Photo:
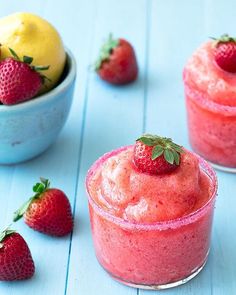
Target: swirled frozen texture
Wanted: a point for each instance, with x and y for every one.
(119, 188)
(203, 75)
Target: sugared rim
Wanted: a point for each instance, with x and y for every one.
(48, 96)
(160, 225)
(207, 104)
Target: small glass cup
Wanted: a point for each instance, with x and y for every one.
(155, 256)
(212, 130)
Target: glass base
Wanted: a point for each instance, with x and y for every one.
(163, 286)
(223, 168)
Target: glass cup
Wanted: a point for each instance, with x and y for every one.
(212, 130)
(152, 256)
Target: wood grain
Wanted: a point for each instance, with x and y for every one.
(164, 34)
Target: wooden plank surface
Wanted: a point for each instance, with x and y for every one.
(113, 117)
(164, 34)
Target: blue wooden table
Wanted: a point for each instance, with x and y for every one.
(164, 34)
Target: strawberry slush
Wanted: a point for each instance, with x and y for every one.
(211, 106)
(151, 231)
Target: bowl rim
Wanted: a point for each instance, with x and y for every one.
(158, 225)
(50, 95)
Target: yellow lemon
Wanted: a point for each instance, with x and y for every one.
(30, 35)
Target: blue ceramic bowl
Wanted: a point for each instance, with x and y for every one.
(29, 128)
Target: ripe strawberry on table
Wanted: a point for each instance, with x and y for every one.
(117, 62)
(48, 211)
(19, 80)
(16, 262)
(156, 155)
(225, 53)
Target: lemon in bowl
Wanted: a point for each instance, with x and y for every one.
(30, 35)
(30, 127)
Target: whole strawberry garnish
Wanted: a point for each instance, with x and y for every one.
(225, 53)
(19, 81)
(16, 262)
(156, 155)
(117, 62)
(48, 211)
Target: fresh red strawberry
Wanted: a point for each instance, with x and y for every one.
(19, 81)
(16, 262)
(156, 155)
(225, 53)
(48, 211)
(117, 62)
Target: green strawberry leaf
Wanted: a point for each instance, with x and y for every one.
(157, 152)
(176, 157)
(106, 51)
(147, 141)
(162, 145)
(40, 68)
(13, 53)
(177, 148)
(4, 234)
(223, 39)
(169, 157)
(27, 59)
(21, 211)
(38, 189)
(46, 182)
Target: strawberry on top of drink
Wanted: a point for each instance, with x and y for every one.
(210, 90)
(153, 180)
(156, 155)
(225, 53)
(151, 206)
(211, 71)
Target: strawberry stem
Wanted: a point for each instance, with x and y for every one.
(40, 68)
(21, 211)
(7, 232)
(38, 189)
(223, 39)
(13, 53)
(106, 51)
(28, 60)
